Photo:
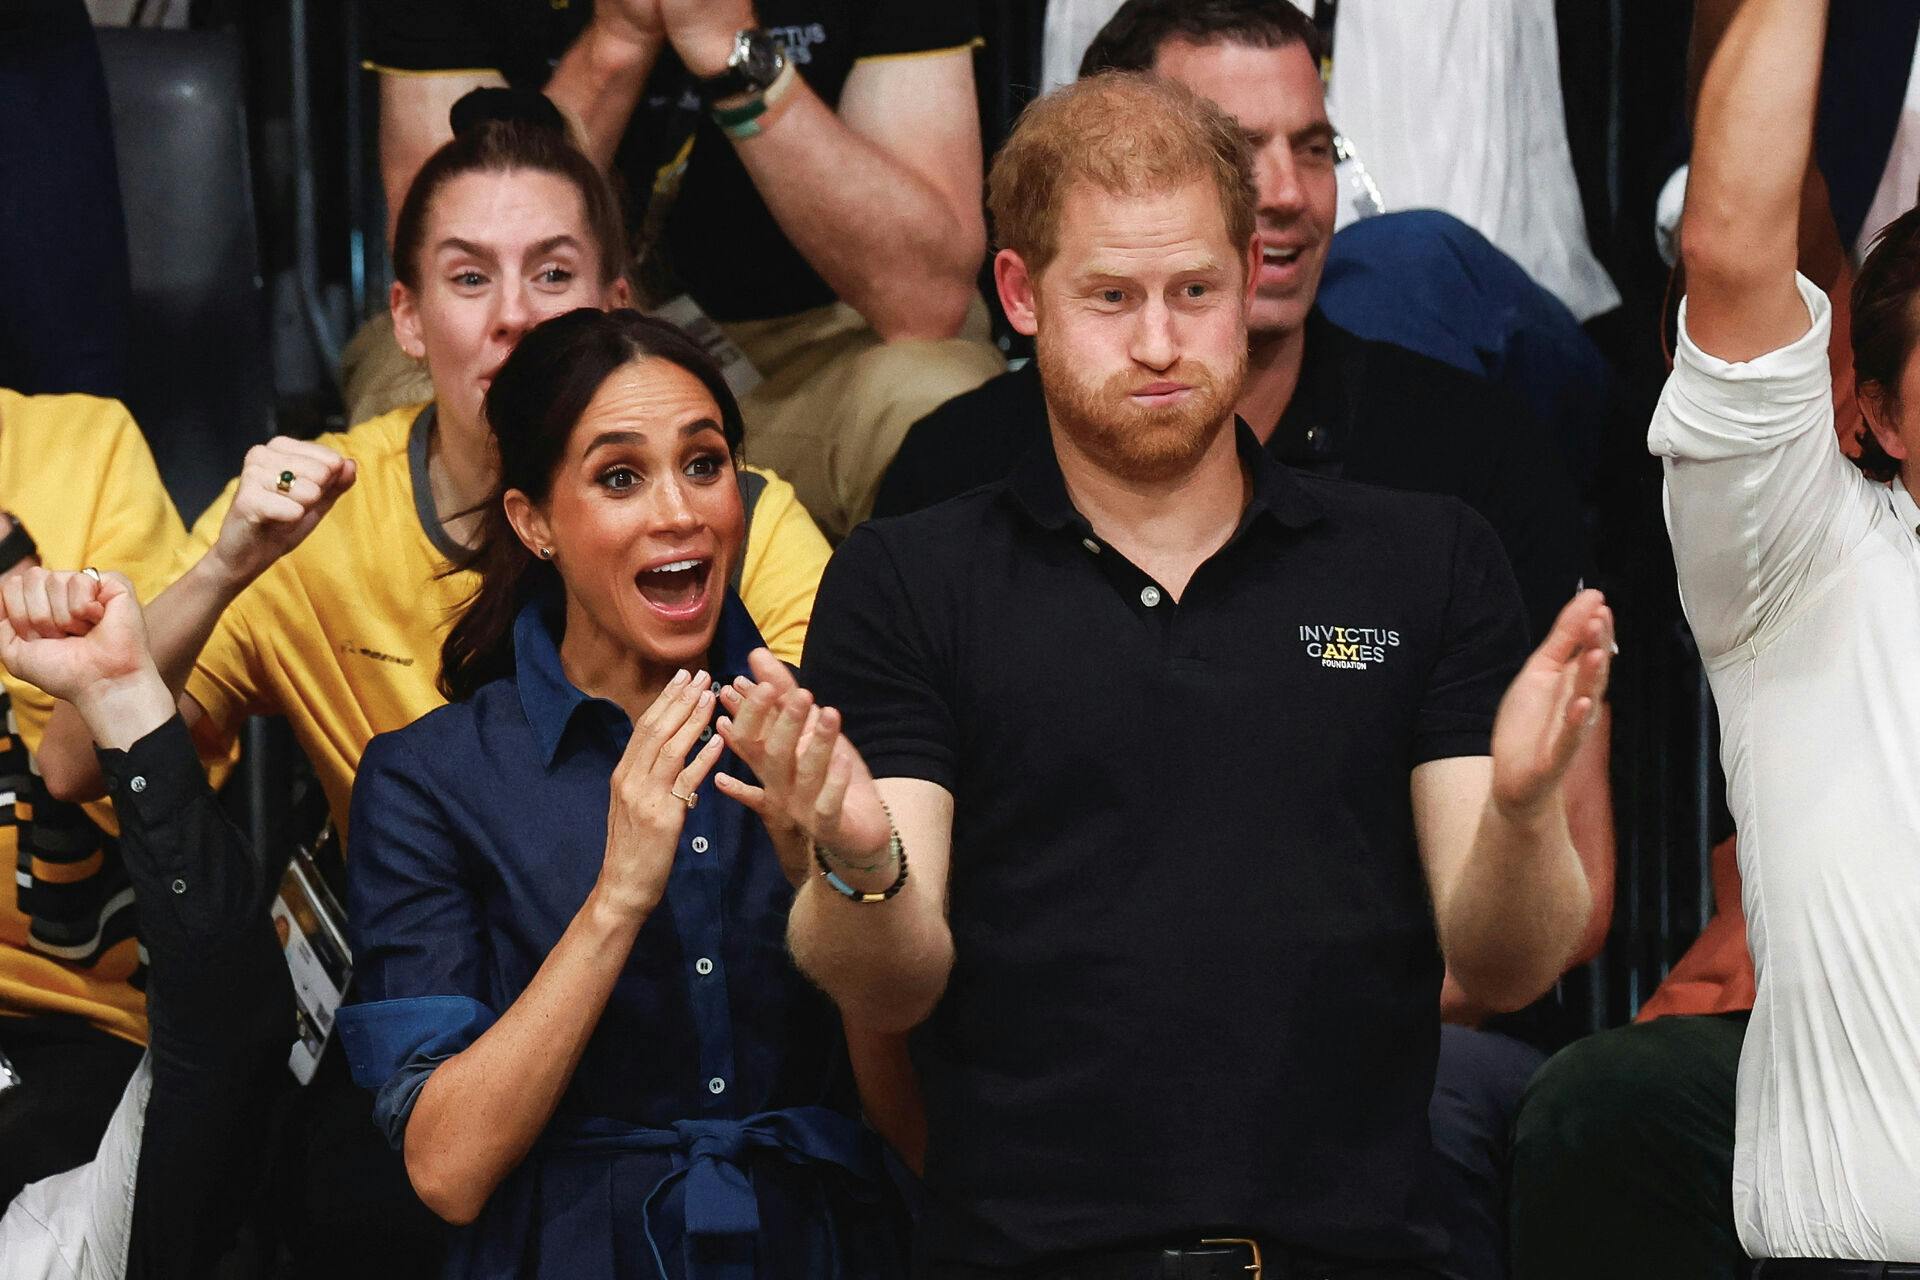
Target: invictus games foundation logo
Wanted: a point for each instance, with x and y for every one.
(1349, 648)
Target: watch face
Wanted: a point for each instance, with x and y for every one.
(760, 60)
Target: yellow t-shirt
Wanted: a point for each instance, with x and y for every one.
(342, 635)
(78, 473)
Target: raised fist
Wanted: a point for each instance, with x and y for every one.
(71, 634)
(284, 490)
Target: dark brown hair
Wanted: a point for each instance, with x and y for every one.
(535, 402)
(1885, 328)
(1126, 132)
(1132, 38)
(495, 145)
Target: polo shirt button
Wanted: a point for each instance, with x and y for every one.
(1090, 545)
(716, 1085)
(699, 844)
(137, 784)
(703, 966)
(179, 886)
(1149, 596)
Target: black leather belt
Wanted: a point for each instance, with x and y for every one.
(1211, 1260)
(1832, 1269)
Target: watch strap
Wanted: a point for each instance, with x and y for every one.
(753, 116)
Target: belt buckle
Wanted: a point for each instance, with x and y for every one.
(1257, 1267)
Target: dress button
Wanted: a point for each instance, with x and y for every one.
(137, 784)
(179, 886)
(716, 1085)
(703, 966)
(699, 844)
(1149, 596)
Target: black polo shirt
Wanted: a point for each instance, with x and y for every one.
(1196, 986)
(1363, 410)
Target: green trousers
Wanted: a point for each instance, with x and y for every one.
(1623, 1156)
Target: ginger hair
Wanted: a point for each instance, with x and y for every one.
(1128, 133)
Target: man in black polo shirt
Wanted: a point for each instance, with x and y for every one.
(1328, 402)
(805, 174)
(1195, 760)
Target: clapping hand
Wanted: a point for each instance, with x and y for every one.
(702, 31)
(649, 795)
(1552, 705)
(813, 784)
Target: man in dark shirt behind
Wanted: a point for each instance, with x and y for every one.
(1196, 761)
(804, 176)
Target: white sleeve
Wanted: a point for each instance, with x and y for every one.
(1761, 504)
(78, 1225)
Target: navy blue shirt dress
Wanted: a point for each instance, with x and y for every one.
(711, 1129)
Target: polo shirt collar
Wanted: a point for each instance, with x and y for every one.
(551, 701)
(1038, 488)
(1904, 507)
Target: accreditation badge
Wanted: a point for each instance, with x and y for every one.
(311, 926)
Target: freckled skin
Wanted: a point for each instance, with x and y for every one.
(1140, 325)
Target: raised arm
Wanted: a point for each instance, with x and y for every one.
(1752, 138)
(413, 124)
(261, 524)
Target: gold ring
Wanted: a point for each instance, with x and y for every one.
(688, 800)
(286, 482)
(92, 572)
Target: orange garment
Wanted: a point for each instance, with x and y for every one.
(1716, 973)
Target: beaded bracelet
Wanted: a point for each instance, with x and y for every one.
(825, 858)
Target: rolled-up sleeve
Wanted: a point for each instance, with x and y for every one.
(419, 938)
(1761, 505)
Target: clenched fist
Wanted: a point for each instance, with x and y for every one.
(70, 633)
(284, 490)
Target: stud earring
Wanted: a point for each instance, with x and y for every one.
(546, 553)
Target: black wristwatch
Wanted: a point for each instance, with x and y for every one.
(18, 545)
(755, 62)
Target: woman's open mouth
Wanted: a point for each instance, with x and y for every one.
(676, 589)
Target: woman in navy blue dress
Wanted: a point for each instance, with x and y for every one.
(575, 1003)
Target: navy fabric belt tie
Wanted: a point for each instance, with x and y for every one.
(717, 1196)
